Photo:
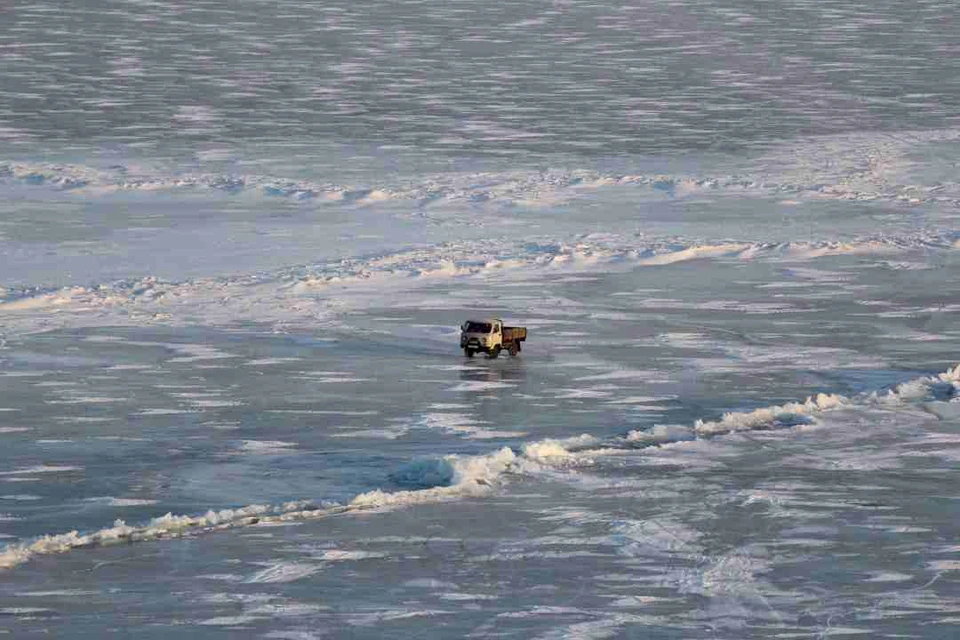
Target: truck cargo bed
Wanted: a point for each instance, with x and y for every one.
(514, 333)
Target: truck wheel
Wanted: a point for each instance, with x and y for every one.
(514, 348)
(495, 352)
(468, 353)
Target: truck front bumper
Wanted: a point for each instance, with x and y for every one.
(473, 344)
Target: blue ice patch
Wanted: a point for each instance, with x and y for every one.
(424, 474)
(792, 419)
(667, 186)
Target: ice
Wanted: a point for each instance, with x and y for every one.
(790, 414)
(264, 447)
(229, 621)
(290, 298)
(662, 433)
(130, 502)
(26, 471)
(237, 244)
(456, 476)
(282, 572)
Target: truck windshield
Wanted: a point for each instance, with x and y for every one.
(478, 327)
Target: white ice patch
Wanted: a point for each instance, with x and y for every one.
(806, 171)
(811, 251)
(641, 399)
(267, 447)
(480, 385)
(283, 572)
(24, 611)
(387, 433)
(130, 502)
(735, 574)
(559, 451)
(326, 412)
(198, 353)
(285, 609)
(216, 404)
(542, 610)
(260, 362)
(86, 400)
(790, 414)
(621, 374)
(797, 414)
(696, 252)
(662, 433)
(654, 537)
(131, 367)
(164, 412)
(346, 555)
(328, 377)
(229, 621)
(389, 615)
(294, 635)
(429, 583)
(57, 593)
(466, 597)
(162, 527)
(463, 424)
(576, 394)
(310, 295)
(43, 468)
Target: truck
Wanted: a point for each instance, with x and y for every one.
(490, 336)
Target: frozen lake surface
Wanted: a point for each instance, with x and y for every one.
(237, 242)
